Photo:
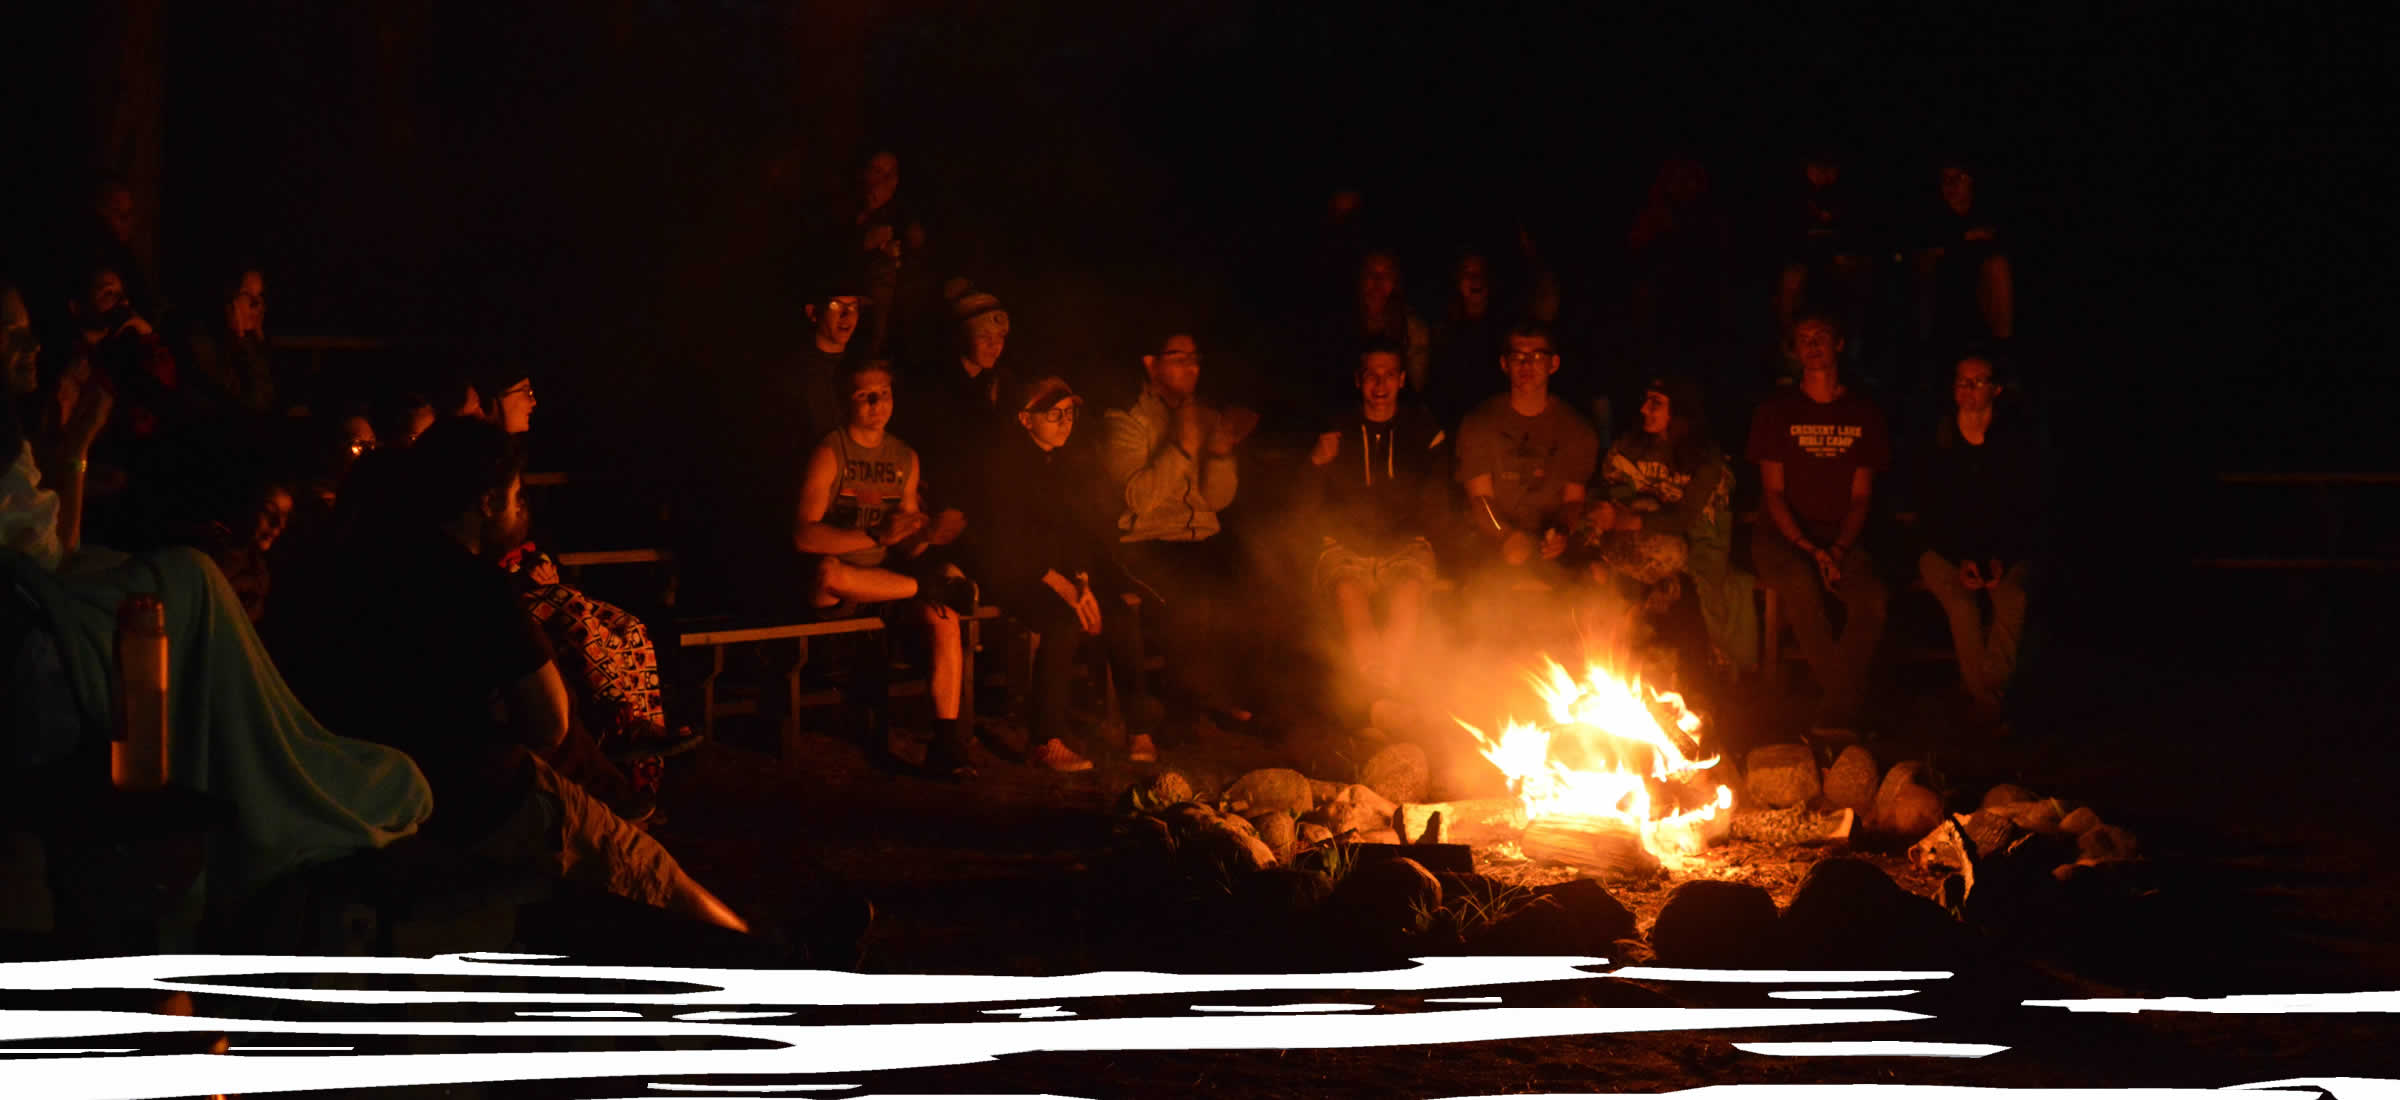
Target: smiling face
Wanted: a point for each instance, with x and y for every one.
(1175, 370)
(100, 302)
(1380, 380)
(274, 514)
(835, 318)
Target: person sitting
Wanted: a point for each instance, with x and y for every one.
(1044, 552)
(230, 360)
(1818, 447)
(1381, 471)
(1667, 511)
(955, 407)
(1170, 460)
(860, 521)
(1464, 345)
(417, 641)
(1979, 481)
(299, 793)
(1525, 459)
(1382, 317)
(240, 544)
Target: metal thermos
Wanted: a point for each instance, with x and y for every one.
(137, 751)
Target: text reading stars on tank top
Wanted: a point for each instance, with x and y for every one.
(867, 486)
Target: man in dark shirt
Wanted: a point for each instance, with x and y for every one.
(1381, 470)
(416, 640)
(1978, 483)
(1818, 448)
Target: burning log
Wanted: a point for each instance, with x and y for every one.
(1475, 821)
(1607, 846)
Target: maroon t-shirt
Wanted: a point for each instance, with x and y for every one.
(1819, 445)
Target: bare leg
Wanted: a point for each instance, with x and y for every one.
(838, 581)
(1358, 623)
(948, 659)
(1405, 609)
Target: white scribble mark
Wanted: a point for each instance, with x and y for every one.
(1881, 1048)
(589, 1014)
(1462, 1000)
(2342, 1088)
(1837, 994)
(286, 1050)
(1045, 1012)
(1283, 1008)
(707, 1016)
(2248, 1003)
(68, 1050)
(1674, 974)
(679, 1086)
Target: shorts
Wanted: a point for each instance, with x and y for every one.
(1338, 564)
(1645, 557)
(559, 829)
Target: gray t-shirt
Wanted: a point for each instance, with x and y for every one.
(1531, 459)
(867, 485)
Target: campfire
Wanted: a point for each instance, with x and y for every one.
(1614, 778)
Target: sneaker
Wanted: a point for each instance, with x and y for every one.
(1056, 756)
(1140, 749)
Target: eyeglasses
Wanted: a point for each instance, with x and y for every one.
(1063, 414)
(521, 389)
(1191, 357)
(1526, 356)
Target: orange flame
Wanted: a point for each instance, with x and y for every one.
(1598, 752)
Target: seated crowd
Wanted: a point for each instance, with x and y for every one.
(386, 652)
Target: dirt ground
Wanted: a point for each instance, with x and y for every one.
(2271, 877)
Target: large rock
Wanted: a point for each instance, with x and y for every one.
(1720, 925)
(1357, 807)
(2007, 794)
(1912, 812)
(1271, 789)
(1387, 901)
(1156, 793)
(2106, 843)
(1399, 772)
(1848, 914)
(1278, 832)
(1576, 917)
(1905, 805)
(2046, 815)
(1850, 783)
(1311, 833)
(1226, 849)
(2082, 821)
(1781, 775)
(1281, 894)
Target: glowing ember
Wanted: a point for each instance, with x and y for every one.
(1603, 752)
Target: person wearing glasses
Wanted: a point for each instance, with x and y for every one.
(814, 375)
(1818, 447)
(1525, 458)
(1978, 483)
(230, 361)
(1043, 554)
(1171, 459)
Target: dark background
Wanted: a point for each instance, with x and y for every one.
(605, 191)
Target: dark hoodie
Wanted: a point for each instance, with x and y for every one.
(1386, 483)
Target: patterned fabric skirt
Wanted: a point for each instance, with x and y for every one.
(605, 656)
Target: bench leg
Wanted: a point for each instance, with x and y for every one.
(791, 705)
(1770, 647)
(708, 692)
(970, 637)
